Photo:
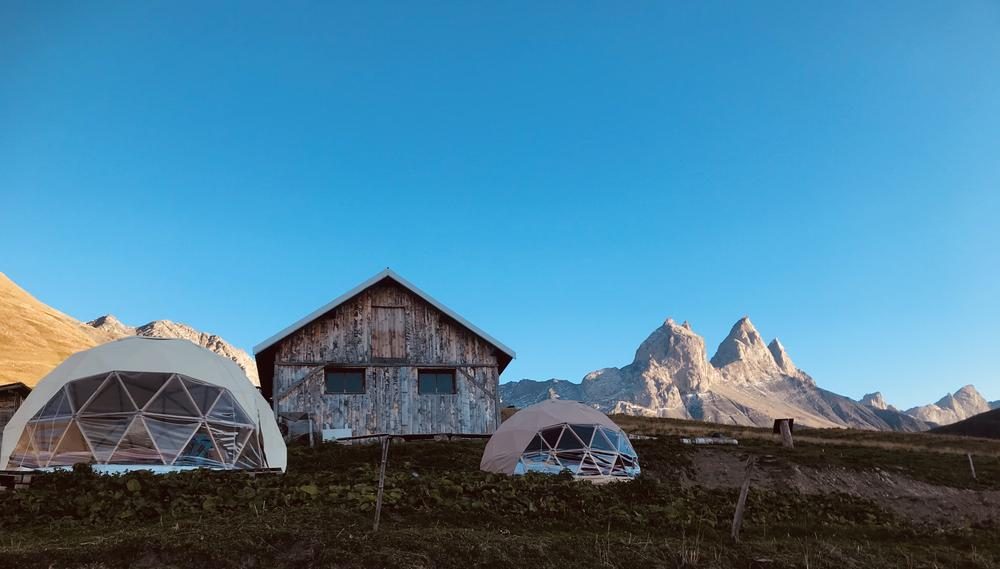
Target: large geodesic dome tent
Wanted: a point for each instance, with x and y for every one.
(144, 403)
(553, 436)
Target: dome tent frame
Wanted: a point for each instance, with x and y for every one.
(140, 418)
(555, 435)
(584, 450)
(178, 406)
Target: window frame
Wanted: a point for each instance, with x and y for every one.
(342, 369)
(452, 372)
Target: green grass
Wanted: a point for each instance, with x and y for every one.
(441, 511)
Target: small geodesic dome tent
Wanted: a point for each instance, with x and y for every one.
(555, 435)
(144, 403)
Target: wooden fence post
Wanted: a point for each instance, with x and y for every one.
(972, 466)
(784, 426)
(742, 501)
(309, 417)
(381, 481)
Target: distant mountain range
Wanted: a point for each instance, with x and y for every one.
(746, 382)
(34, 337)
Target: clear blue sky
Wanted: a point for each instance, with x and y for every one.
(564, 175)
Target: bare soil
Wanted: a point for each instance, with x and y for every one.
(914, 500)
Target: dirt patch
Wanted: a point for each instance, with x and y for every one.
(914, 500)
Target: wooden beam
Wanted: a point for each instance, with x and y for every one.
(378, 364)
(972, 466)
(473, 381)
(741, 502)
(381, 481)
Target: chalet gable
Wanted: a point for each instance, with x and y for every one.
(386, 321)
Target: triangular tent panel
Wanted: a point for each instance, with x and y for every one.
(103, 433)
(171, 435)
(81, 390)
(141, 386)
(72, 448)
(173, 400)
(200, 451)
(111, 398)
(204, 395)
(141, 402)
(136, 446)
(58, 406)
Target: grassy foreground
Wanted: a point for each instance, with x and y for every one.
(441, 511)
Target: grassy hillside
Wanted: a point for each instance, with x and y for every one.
(985, 425)
(34, 338)
(441, 511)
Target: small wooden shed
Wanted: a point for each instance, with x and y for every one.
(385, 357)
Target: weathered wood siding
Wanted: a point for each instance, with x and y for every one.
(9, 403)
(392, 334)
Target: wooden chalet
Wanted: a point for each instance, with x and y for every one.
(385, 358)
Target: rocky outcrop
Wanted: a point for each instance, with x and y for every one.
(167, 329)
(953, 407)
(746, 382)
(875, 400)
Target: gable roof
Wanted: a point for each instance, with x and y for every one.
(16, 386)
(381, 276)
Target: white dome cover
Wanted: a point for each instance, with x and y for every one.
(152, 355)
(507, 449)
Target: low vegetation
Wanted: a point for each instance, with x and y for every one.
(441, 511)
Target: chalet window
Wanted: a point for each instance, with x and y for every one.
(345, 380)
(436, 381)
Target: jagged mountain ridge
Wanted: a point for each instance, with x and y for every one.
(168, 329)
(35, 338)
(954, 407)
(746, 382)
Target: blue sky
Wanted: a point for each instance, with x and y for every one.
(565, 175)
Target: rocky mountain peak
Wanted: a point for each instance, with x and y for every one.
(968, 391)
(953, 407)
(875, 400)
(781, 357)
(745, 345)
(672, 355)
(114, 328)
(112, 325)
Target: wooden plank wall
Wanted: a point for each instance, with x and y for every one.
(393, 334)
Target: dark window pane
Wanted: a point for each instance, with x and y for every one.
(173, 399)
(601, 441)
(569, 441)
(535, 445)
(345, 381)
(58, 406)
(204, 395)
(584, 432)
(142, 385)
(111, 398)
(446, 383)
(82, 389)
(436, 382)
(551, 435)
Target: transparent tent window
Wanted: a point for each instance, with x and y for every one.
(583, 450)
(130, 418)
